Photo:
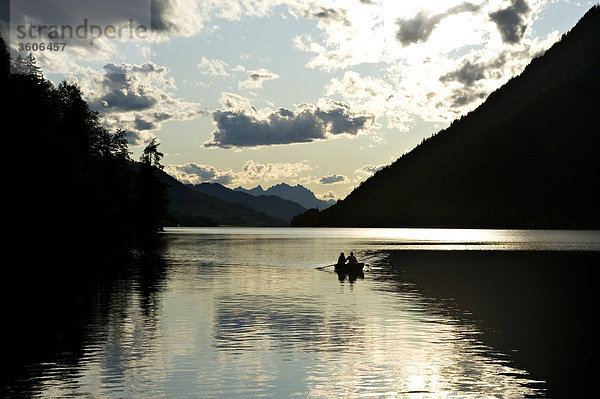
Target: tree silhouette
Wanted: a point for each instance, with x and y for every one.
(151, 193)
(76, 178)
(151, 156)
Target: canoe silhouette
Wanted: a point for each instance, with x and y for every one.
(350, 267)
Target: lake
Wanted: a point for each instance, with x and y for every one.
(244, 312)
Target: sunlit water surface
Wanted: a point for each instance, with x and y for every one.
(244, 313)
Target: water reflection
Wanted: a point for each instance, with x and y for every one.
(351, 276)
(537, 308)
(224, 315)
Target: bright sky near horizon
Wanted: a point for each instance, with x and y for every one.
(313, 92)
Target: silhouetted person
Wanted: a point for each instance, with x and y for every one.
(352, 258)
(341, 259)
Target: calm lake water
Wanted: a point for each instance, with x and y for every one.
(243, 312)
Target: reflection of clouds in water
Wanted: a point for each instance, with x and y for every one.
(225, 326)
(251, 322)
(400, 345)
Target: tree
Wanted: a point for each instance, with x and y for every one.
(151, 156)
(28, 66)
(151, 193)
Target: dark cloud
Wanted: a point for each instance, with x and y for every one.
(157, 15)
(246, 128)
(259, 75)
(511, 21)
(419, 28)
(467, 74)
(331, 15)
(123, 91)
(470, 72)
(466, 96)
(159, 21)
(332, 179)
(142, 124)
(136, 98)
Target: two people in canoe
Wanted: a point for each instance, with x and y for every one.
(351, 259)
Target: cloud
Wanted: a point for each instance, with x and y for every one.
(193, 173)
(465, 96)
(213, 67)
(369, 169)
(256, 78)
(330, 15)
(329, 195)
(477, 76)
(156, 17)
(249, 127)
(368, 93)
(254, 171)
(136, 98)
(511, 21)
(419, 28)
(470, 72)
(250, 172)
(333, 179)
(231, 101)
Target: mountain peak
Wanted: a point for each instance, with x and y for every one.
(297, 193)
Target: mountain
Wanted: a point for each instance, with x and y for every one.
(271, 205)
(193, 208)
(297, 193)
(526, 158)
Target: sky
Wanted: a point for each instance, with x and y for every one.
(314, 92)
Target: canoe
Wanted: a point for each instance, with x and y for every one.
(350, 268)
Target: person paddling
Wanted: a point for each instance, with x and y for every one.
(342, 259)
(352, 259)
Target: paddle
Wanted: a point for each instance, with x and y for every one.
(323, 267)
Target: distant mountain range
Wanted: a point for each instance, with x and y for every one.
(297, 193)
(211, 204)
(270, 205)
(189, 207)
(526, 158)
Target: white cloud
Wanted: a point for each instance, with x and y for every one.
(254, 171)
(326, 196)
(250, 172)
(369, 169)
(213, 67)
(193, 173)
(256, 78)
(414, 45)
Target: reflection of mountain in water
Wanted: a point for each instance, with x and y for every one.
(537, 307)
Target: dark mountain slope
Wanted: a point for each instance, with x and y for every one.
(527, 157)
(269, 204)
(192, 208)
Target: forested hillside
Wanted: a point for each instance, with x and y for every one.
(526, 158)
